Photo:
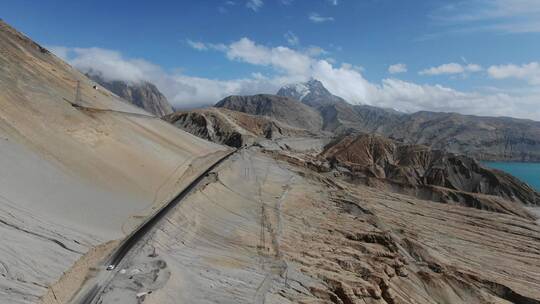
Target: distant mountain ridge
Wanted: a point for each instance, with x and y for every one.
(312, 93)
(145, 95)
(283, 109)
(338, 115)
(484, 138)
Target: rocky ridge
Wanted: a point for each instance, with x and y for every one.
(429, 174)
(143, 94)
(283, 109)
(231, 128)
(312, 93)
(484, 138)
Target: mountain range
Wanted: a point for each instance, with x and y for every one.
(143, 94)
(484, 138)
(104, 202)
(311, 106)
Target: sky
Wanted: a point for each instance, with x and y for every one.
(476, 57)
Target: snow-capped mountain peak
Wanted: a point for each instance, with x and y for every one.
(311, 92)
(296, 91)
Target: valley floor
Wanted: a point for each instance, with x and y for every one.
(260, 230)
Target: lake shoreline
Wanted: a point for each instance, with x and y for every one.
(529, 172)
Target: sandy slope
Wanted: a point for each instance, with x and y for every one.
(264, 231)
(74, 177)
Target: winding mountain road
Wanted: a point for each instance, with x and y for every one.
(91, 291)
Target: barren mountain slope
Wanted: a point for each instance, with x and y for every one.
(484, 138)
(264, 231)
(80, 168)
(143, 94)
(232, 128)
(283, 109)
(312, 93)
(427, 173)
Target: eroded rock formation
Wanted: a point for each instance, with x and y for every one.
(429, 174)
(235, 129)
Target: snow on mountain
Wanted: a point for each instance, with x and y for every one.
(312, 93)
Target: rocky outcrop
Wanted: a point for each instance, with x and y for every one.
(143, 94)
(285, 110)
(426, 173)
(235, 129)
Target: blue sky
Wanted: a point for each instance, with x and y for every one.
(474, 57)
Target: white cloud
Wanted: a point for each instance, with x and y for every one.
(197, 45)
(451, 68)
(397, 68)
(223, 8)
(315, 51)
(333, 2)
(315, 17)
(281, 58)
(529, 72)
(291, 38)
(413, 97)
(508, 16)
(291, 66)
(471, 67)
(255, 5)
(110, 63)
(201, 46)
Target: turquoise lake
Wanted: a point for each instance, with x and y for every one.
(527, 172)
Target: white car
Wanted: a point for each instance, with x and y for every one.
(110, 267)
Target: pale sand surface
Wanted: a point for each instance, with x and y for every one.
(263, 231)
(75, 178)
(535, 211)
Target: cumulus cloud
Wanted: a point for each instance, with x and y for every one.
(315, 17)
(315, 51)
(529, 72)
(281, 58)
(255, 5)
(414, 97)
(111, 64)
(291, 65)
(451, 68)
(397, 68)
